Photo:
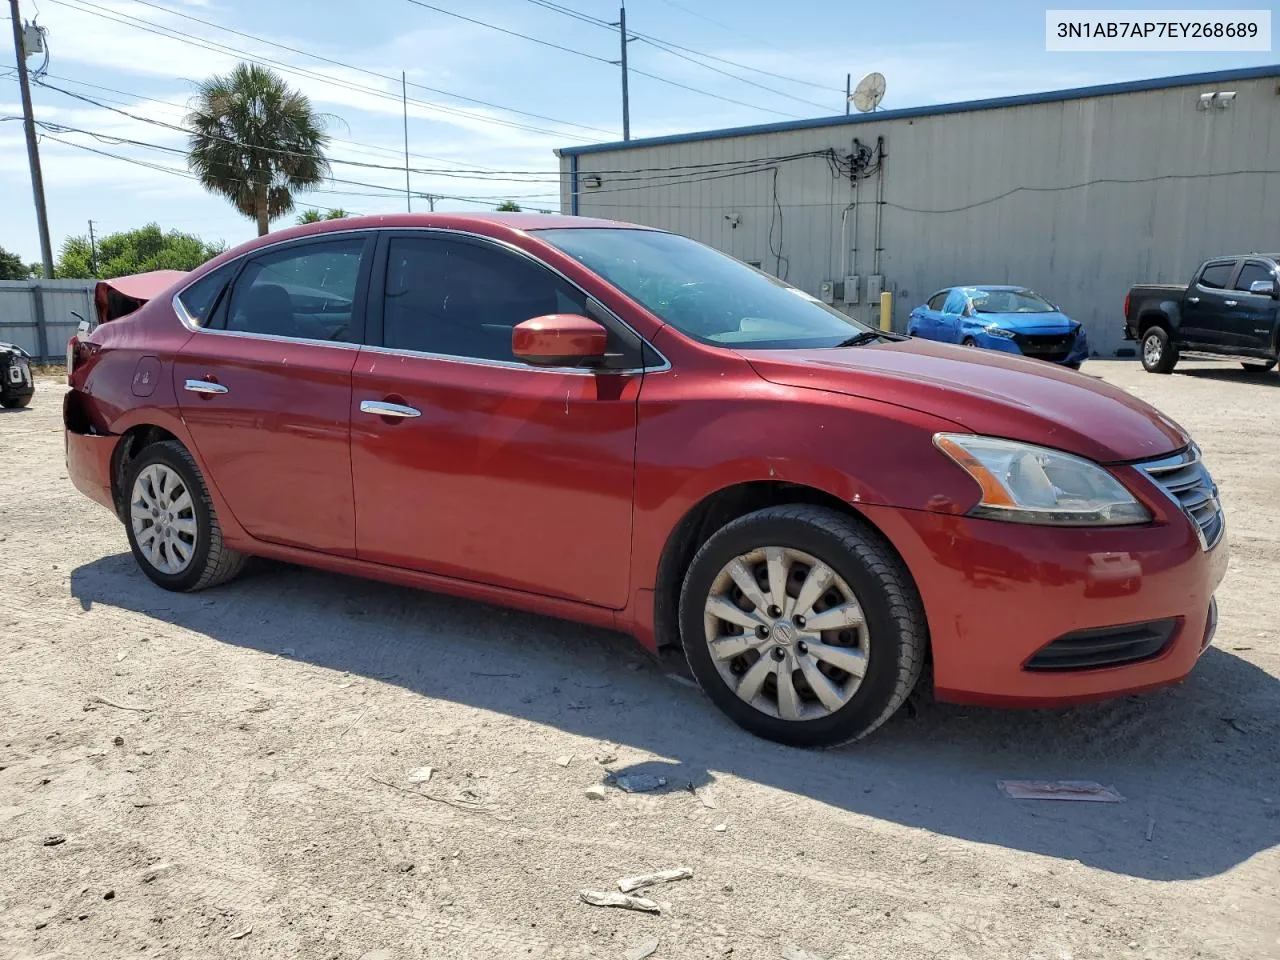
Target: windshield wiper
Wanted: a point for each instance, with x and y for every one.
(866, 336)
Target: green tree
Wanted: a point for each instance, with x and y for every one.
(256, 141)
(315, 216)
(12, 267)
(508, 206)
(134, 251)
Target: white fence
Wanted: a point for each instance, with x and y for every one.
(36, 314)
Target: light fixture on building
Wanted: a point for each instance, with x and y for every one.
(591, 183)
(1218, 100)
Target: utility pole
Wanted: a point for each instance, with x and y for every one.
(626, 100)
(404, 99)
(432, 201)
(33, 151)
(93, 251)
(848, 91)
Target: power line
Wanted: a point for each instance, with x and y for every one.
(185, 108)
(372, 73)
(147, 26)
(591, 56)
(668, 174)
(669, 46)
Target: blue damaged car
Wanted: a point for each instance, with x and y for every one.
(1012, 319)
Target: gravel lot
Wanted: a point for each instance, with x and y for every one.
(229, 770)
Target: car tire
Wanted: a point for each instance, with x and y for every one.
(1258, 367)
(171, 524)
(1158, 353)
(889, 645)
(968, 342)
(14, 403)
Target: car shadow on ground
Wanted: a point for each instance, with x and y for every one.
(1231, 375)
(1195, 763)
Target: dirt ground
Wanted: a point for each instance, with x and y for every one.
(227, 774)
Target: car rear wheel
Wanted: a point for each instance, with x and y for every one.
(802, 625)
(1159, 355)
(12, 403)
(1258, 367)
(173, 531)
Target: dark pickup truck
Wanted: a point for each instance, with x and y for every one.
(1231, 309)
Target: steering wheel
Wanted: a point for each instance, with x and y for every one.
(700, 309)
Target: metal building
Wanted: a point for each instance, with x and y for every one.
(1076, 193)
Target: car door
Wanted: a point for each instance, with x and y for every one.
(1204, 306)
(951, 315)
(926, 316)
(264, 386)
(1251, 317)
(488, 469)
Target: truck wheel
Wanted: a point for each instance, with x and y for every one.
(802, 625)
(1158, 352)
(1258, 367)
(13, 403)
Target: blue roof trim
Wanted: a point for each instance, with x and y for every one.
(933, 110)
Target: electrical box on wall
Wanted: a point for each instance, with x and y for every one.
(875, 287)
(851, 285)
(826, 292)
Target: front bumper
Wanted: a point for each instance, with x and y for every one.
(997, 593)
(1077, 354)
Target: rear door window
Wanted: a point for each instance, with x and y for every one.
(938, 299)
(307, 292)
(1217, 275)
(202, 299)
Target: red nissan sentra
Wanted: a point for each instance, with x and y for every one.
(620, 426)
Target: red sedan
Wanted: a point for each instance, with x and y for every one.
(621, 426)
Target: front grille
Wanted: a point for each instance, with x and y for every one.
(1054, 347)
(1104, 647)
(1184, 478)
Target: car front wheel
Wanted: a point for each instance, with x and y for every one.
(172, 528)
(802, 625)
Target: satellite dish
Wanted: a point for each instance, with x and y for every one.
(869, 92)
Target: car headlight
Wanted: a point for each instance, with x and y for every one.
(1029, 484)
(995, 330)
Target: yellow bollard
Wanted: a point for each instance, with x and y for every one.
(886, 310)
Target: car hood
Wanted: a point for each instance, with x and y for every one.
(1054, 322)
(985, 392)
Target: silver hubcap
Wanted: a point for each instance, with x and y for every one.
(786, 633)
(1151, 350)
(164, 519)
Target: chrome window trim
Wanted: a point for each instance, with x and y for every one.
(190, 323)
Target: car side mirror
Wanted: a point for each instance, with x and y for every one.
(1265, 287)
(559, 340)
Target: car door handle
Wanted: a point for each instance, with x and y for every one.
(1193, 299)
(380, 408)
(1230, 303)
(204, 386)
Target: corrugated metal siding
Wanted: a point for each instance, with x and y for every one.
(59, 298)
(1072, 228)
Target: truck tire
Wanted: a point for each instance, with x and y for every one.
(1159, 355)
(1258, 367)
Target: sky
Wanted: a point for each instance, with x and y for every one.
(480, 98)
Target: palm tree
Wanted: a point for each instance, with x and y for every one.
(255, 141)
(315, 216)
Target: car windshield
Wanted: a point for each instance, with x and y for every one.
(703, 293)
(1009, 301)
